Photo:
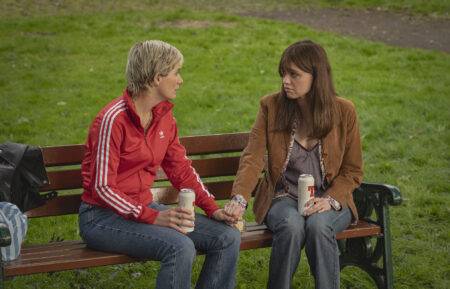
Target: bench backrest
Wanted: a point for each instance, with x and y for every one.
(63, 168)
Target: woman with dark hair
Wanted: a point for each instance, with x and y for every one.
(305, 129)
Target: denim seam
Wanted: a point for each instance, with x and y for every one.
(172, 273)
(335, 220)
(151, 237)
(103, 227)
(221, 240)
(219, 262)
(336, 271)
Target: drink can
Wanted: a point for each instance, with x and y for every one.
(240, 225)
(305, 191)
(186, 199)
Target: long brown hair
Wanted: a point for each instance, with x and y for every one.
(311, 58)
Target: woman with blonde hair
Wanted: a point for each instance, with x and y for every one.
(128, 140)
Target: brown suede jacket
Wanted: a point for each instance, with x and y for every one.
(341, 154)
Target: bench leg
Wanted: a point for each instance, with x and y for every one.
(359, 252)
(365, 253)
(1, 274)
(387, 252)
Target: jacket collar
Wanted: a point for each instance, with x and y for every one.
(158, 110)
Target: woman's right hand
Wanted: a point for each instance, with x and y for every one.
(234, 211)
(174, 218)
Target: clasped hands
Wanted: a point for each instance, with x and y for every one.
(176, 217)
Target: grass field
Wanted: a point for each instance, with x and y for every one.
(435, 8)
(57, 72)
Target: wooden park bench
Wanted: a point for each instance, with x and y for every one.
(213, 156)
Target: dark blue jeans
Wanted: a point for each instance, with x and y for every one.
(104, 230)
(293, 231)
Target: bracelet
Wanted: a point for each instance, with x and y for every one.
(240, 200)
(333, 203)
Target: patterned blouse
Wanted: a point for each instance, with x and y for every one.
(301, 161)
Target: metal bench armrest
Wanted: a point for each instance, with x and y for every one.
(390, 193)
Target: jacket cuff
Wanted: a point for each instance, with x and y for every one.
(148, 215)
(211, 210)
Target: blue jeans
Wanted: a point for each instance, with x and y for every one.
(293, 231)
(104, 230)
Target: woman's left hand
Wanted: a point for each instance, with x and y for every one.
(221, 215)
(320, 205)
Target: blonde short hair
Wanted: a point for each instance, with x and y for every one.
(148, 59)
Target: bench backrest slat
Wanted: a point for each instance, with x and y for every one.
(63, 155)
(207, 163)
(216, 143)
(169, 195)
(61, 205)
(214, 167)
(69, 204)
(63, 180)
(195, 145)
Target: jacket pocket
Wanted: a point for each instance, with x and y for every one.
(263, 198)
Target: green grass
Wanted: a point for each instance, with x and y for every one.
(57, 72)
(436, 8)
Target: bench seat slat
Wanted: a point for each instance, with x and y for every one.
(82, 258)
(360, 229)
(67, 255)
(47, 247)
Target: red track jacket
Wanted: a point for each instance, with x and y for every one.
(120, 162)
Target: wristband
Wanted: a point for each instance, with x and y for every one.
(333, 203)
(240, 200)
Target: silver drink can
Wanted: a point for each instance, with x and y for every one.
(305, 191)
(186, 199)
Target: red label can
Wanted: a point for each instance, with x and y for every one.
(305, 191)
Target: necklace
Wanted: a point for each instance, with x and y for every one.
(146, 121)
(145, 118)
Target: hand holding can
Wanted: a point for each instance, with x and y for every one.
(186, 199)
(305, 192)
